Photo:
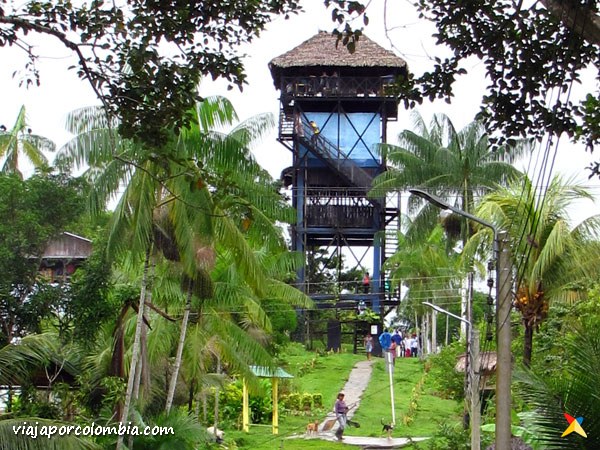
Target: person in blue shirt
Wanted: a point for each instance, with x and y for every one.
(397, 339)
(385, 340)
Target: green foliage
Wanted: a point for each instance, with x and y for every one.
(187, 433)
(31, 212)
(91, 305)
(449, 383)
(19, 140)
(283, 320)
(317, 400)
(152, 99)
(573, 390)
(306, 401)
(293, 402)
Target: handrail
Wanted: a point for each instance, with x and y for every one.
(333, 86)
(332, 155)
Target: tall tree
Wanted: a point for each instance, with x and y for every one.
(32, 211)
(19, 141)
(553, 256)
(456, 165)
(532, 52)
(144, 60)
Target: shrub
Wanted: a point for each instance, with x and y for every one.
(307, 401)
(449, 382)
(317, 400)
(293, 402)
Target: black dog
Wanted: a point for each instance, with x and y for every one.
(387, 427)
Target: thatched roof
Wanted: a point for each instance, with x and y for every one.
(487, 362)
(321, 51)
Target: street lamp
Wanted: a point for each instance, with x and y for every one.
(472, 373)
(503, 307)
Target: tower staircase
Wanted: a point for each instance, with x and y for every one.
(392, 227)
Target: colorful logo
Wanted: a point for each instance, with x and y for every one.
(574, 426)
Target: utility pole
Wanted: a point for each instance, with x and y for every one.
(475, 404)
(503, 338)
(468, 361)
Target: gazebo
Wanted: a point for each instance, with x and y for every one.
(263, 372)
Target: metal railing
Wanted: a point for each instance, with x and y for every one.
(331, 155)
(331, 86)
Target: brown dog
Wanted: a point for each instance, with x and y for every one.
(312, 428)
(387, 427)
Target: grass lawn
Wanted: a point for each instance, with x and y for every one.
(376, 403)
(327, 376)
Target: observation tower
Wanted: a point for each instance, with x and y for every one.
(334, 111)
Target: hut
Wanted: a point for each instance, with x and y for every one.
(63, 255)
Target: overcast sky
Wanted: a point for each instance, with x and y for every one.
(61, 91)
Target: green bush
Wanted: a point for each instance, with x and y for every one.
(449, 382)
(293, 402)
(317, 400)
(307, 401)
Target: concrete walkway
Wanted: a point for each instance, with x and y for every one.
(353, 391)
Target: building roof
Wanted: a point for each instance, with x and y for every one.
(68, 246)
(265, 372)
(487, 363)
(321, 51)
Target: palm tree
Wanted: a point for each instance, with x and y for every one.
(553, 257)
(457, 166)
(171, 198)
(426, 269)
(19, 140)
(572, 391)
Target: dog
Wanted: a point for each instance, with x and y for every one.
(312, 428)
(387, 427)
(219, 435)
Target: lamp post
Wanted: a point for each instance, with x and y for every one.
(503, 307)
(473, 373)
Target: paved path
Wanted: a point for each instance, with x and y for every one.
(374, 442)
(353, 390)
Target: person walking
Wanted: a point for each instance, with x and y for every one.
(340, 410)
(316, 131)
(414, 346)
(369, 346)
(397, 339)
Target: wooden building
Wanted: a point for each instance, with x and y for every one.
(63, 255)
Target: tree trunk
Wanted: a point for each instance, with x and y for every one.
(204, 407)
(197, 405)
(577, 18)
(527, 345)
(191, 399)
(136, 346)
(177, 365)
(217, 395)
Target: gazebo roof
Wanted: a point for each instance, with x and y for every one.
(323, 50)
(265, 372)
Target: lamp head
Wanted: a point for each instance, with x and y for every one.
(436, 201)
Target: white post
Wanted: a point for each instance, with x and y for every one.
(434, 332)
(389, 362)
